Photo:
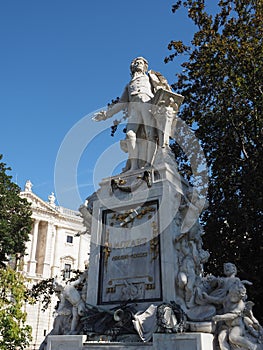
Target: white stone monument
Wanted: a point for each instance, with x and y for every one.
(145, 285)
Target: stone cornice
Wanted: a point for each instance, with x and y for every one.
(43, 210)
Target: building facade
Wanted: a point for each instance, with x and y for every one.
(56, 247)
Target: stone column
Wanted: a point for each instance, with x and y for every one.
(80, 253)
(55, 268)
(48, 251)
(53, 247)
(27, 257)
(83, 254)
(32, 261)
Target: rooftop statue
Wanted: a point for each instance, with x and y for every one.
(151, 109)
(28, 186)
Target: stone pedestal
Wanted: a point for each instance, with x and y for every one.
(65, 342)
(184, 341)
(135, 224)
(140, 246)
(117, 346)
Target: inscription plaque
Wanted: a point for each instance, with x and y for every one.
(130, 255)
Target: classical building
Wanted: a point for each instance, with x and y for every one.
(56, 247)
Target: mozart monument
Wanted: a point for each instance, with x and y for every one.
(145, 286)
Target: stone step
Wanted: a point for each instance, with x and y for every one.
(116, 345)
(161, 341)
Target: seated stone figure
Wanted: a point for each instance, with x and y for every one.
(232, 329)
(253, 329)
(70, 307)
(211, 291)
(220, 286)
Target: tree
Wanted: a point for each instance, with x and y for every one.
(14, 333)
(15, 217)
(15, 225)
(222, 84)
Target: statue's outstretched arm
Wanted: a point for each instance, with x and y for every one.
(113, 108)
(229, 316)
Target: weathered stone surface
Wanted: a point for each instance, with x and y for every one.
(65, 342)
(133, 251)
(185, 341)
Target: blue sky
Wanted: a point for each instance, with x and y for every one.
(60, 61)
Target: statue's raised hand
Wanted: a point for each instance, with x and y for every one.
(101, 115)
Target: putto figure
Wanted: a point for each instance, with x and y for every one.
(138, 98)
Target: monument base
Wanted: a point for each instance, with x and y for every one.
(161, 341)
(189, 341)
(65, 342)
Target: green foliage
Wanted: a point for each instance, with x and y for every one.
(41, 291)
(15, 225)
(222, 84)
(15, 217)
(14, 333)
